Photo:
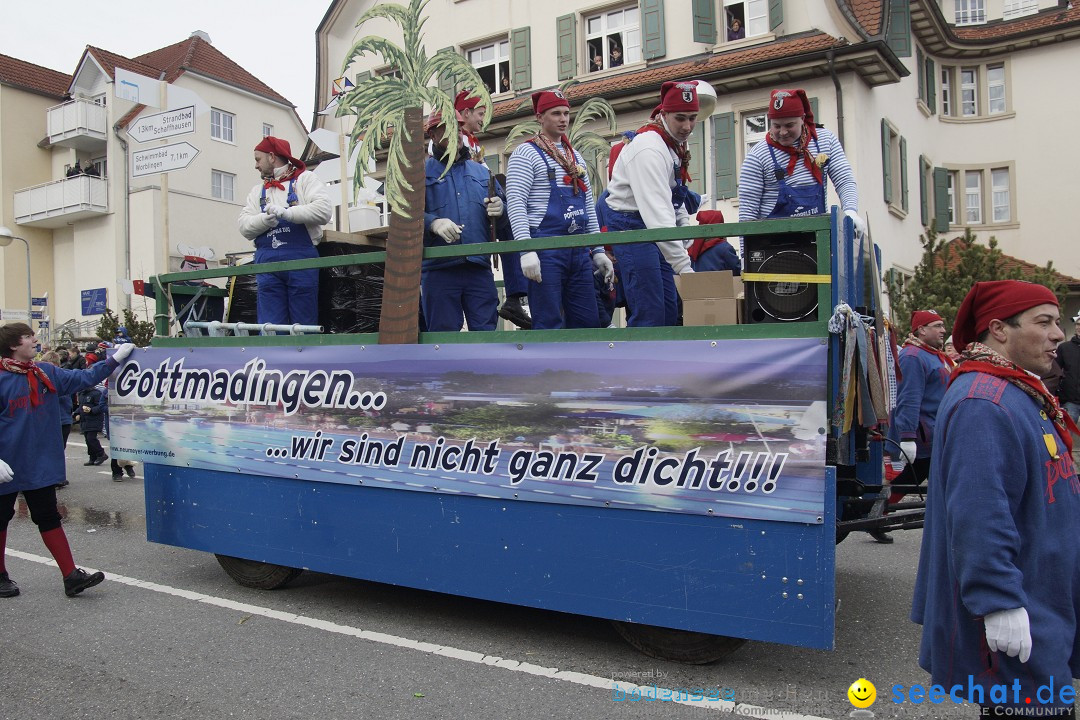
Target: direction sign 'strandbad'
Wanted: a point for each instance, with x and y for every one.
(164, 124)
(162, 159)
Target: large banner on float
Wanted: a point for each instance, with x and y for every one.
(732, 428)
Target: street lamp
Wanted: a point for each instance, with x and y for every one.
(6, 236)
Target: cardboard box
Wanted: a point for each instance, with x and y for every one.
(711, 311)
(702, 285)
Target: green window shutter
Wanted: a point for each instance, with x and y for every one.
(899, 35)
(924, 196)
(704, 21)
(653, 44)
(362, 77)
(776, 13)
(521, 58)
(931, 86)
(696, 145)
(447, 83)
(566, 34)
(492, 161)
(724, 155)
(886, 162)
(941, 199)
(814, 109)
(919, 64)
(903, 175)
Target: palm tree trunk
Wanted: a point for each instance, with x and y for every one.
(398, 322)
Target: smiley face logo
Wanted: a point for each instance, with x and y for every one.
(862, 693)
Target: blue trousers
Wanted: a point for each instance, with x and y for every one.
(567, 297)
(514, 283)
(464, 289)
(648, 284)
(287, 298)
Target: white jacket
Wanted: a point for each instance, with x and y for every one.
(313, 207)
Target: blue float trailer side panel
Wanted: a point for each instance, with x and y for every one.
(761, 580)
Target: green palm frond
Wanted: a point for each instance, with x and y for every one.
(377, 45)
(522, 129)
(594, 109)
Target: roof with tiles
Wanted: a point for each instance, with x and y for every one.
(1043, 20)
(955, 246)
(869, 14)
(193, 54)
(35, 78)
(651, 78)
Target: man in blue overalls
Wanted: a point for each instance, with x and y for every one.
(786, 176)
(284, 215)
(548, 195)
(457, 209)
(648, 190)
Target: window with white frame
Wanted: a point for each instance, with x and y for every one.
(1001, 198)
(946, 91)
(492, 63)
(221, 125)
(970, 12)
(973, 212)
(954, 178)
(389, 71)
(267, 130)
(969, 92)
(1019, 8)
(745, 18)
(613, 38)
(995, 89)
(222, 185)
(755, 128)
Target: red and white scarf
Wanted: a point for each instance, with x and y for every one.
(33, 374)
(676, 147)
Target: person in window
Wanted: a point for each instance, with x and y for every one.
(74, 170)
(786, 176)
(616, 58)
(597, 63)
(284, 216)
(736, 31)
(504, 82)
(92, 170)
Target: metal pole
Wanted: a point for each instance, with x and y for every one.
(29, 292)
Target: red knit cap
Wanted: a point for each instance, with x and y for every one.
(710, 217)
(279, 147)
(544, 100)
(464, 102)
(919, 318)
(790, 104)
(679, 96)
(995, 300)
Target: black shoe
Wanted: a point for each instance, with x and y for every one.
(513, 310)
(79, 580)
(130, 470)
(61, 485)
(91, 461)
(8, 588)
(118, 477)
(881, 536)
(100, 459)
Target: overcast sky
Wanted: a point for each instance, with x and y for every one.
(272, 39)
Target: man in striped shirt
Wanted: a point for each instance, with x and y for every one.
(786, 176)
(548, 195)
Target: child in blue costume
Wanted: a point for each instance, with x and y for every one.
(31, 445)
(998, 588)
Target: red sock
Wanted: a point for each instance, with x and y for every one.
(57, 543)
(3, 545)
(896, 497)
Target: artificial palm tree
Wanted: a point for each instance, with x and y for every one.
(389, 109)
(594, 148)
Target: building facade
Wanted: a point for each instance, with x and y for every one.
(95, 218)
(939, 103)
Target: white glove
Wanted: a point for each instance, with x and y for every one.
(271, 220)
(5, 472)
(123, 351)
(604, 268)
(275, 210)
(1009, 631)
(530, 266)
(494, 206)
(907, 451)
(858, 222)
(287, 214)
(686, 270)
(447, 229)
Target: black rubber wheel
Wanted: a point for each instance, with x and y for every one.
(681, 646)
(255, 574)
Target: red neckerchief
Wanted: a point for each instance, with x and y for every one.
(700, 245)
(275, 183)
(567, 162)
(980, 358)
(916, 342)
(799, 150)
(679, 149)
(33, 374)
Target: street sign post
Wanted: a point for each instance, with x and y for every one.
(164, 124)
(15, 315)
(40, 301)
(37, 314)
(94, 301)
(162, 159)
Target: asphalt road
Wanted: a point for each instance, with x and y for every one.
(170, 635)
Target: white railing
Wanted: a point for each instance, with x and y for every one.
(77, 118)
(61, 197)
